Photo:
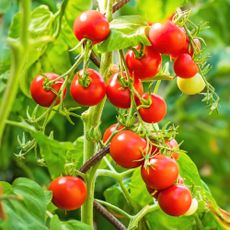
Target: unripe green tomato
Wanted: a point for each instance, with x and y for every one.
(191, 86)
(193, 207)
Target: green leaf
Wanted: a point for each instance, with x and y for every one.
(4, 6)
(126, 31)
(30, 197)
(159, 9)
(56, 224)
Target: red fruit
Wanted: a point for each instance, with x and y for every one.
(145, 67)
(153, 192)
(167, 38)
(161, 173)
(108, 132)
(42, 96)
(93, 93)
(93, 25)
(156, 111)
(175, 200)
(120, 96)
(185, 67)
(127, 149)
(69, 192)
(172, 144)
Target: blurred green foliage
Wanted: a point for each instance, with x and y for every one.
(205, 137)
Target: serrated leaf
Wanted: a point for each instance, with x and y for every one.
(126, 31)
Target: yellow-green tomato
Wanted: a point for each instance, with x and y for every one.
(191, 86)
(193, 207)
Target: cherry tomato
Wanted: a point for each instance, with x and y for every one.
(175, 200)
(91, 95)
(2, 214)
(42, 96)
(156, 111)
(127, 149)
(69, 192)
(160, 173)
(145, 67)
(153, 192)
(167, 38)
(193, 207)
(93, 25)
(185, 67)
(108, 132)
(172, 144)
(120, 96)
(191, 86)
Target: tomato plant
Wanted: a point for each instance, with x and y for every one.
(85, 69)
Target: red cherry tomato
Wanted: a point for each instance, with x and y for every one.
(156, 111)
(108, 132)
(167, 38)
(185, 67)
(172, 144)
(91, 95)
(145, 67)
(93, 25)
(127, 149)
(175, 200)
(153, 192)
(118, 95)
(69, 192)
(43, 96)
(161, 173)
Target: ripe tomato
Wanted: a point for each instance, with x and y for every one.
(69, 192)
(167, 38)
(127, 149)
(118, 95)
(108, 132)
(153, 192)
(156, 111)
(184, 66)
(145, 67)
(191, 86)
(93, 25)
(175, 200)
(172, 144)
(161, 173)
(193, 207)
(91, 95)
(43, 96)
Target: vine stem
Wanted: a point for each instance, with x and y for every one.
(19, 56)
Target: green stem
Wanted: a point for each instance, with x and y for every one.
(19, 57)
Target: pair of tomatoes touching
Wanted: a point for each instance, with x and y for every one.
(68, 192)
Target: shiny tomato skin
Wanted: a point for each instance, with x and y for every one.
(184, 66)
(145, 67)
(157, 110)
(127, 149)
(175, 200)
(120, 96)
(108, 132)
(69, 192)
(167, 38)
(161, 173)
(91, 95)
(42, 96)
(93, 25)
(172, 144)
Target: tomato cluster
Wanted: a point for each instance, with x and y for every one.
(159, 172)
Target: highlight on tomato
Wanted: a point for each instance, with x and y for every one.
(45, 96)
(69, 192)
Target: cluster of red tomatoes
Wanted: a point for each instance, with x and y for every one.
(159, 172)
